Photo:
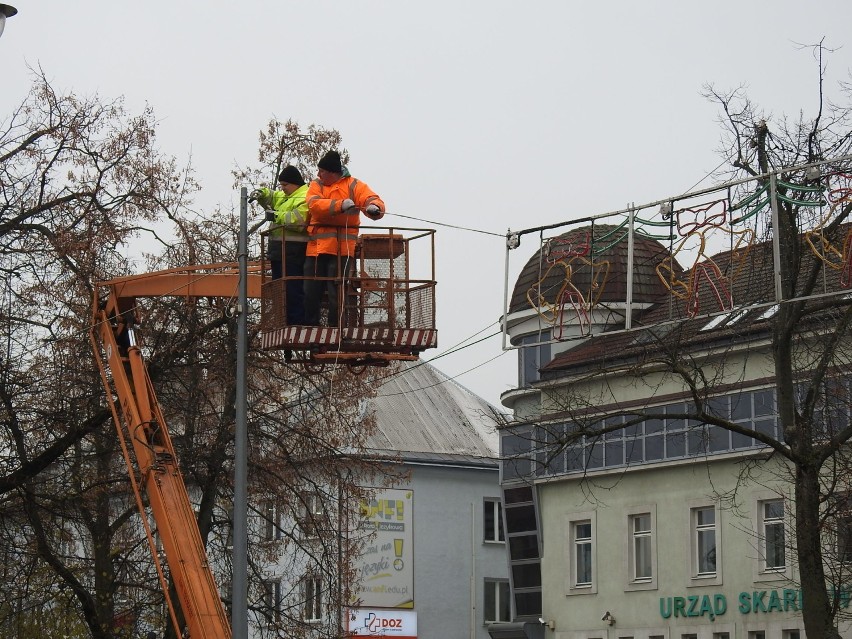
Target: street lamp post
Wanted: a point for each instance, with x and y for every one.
(239, 561)
(6, 11)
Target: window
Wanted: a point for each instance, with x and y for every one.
(580, 550)
(520, 512)
(516, 448)
(312, 592)
(772, 542)
(312, 517)
(493, 524)
(728, 319)
(497, 604)
(581, 538)
(532, 355)
(66, 545)
(768, 313)
(641, 546)
(526, 575)
(271, 521)
(583, 553)
(272, 601)
(703, 524)
(843, 522)
(705, 532)
(670, 434)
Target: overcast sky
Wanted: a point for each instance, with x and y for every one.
(487, 115)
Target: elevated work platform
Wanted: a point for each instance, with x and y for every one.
(386, 298)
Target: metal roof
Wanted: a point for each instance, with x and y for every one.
(607, 244)
(668, 321)
(421, 414)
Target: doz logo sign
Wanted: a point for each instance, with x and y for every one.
(377, 625)
(401, 624)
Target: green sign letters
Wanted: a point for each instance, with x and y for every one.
(748, 602)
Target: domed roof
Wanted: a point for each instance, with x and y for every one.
(597, 258)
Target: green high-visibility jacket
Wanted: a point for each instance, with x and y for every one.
(291, 212)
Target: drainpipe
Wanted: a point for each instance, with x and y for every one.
(473, 599)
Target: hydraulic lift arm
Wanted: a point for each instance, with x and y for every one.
(145, 441)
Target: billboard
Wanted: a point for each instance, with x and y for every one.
(385, 566)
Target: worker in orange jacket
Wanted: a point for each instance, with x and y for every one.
(335, 202)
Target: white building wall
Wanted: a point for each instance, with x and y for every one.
(723, 603)
(451, 559)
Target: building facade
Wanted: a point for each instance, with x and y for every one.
(445, 439)
(626, 517)
(433, 562)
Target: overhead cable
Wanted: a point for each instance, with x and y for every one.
(452, 226)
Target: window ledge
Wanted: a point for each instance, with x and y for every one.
(583, 590)
(772, 575)
(705, 580)
(641, 585)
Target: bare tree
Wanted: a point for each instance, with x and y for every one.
(81, 182)
(284, 143)
(808, 339)
(79, 179)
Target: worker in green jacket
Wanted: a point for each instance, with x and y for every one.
(287, 211)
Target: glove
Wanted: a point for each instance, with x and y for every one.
(254, 195)
(270, 215)
(373, 212)
(347, 205)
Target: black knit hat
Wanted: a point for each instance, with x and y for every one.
(291, 175)
(331, 162)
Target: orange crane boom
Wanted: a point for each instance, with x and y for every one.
(145, 441)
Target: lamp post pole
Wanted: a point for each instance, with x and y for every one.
(239, 562)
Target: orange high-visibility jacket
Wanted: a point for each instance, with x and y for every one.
(330, 230)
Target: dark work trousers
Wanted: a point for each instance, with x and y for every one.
(323, 266)
(292, 267)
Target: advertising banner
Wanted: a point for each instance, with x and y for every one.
(385, 567)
